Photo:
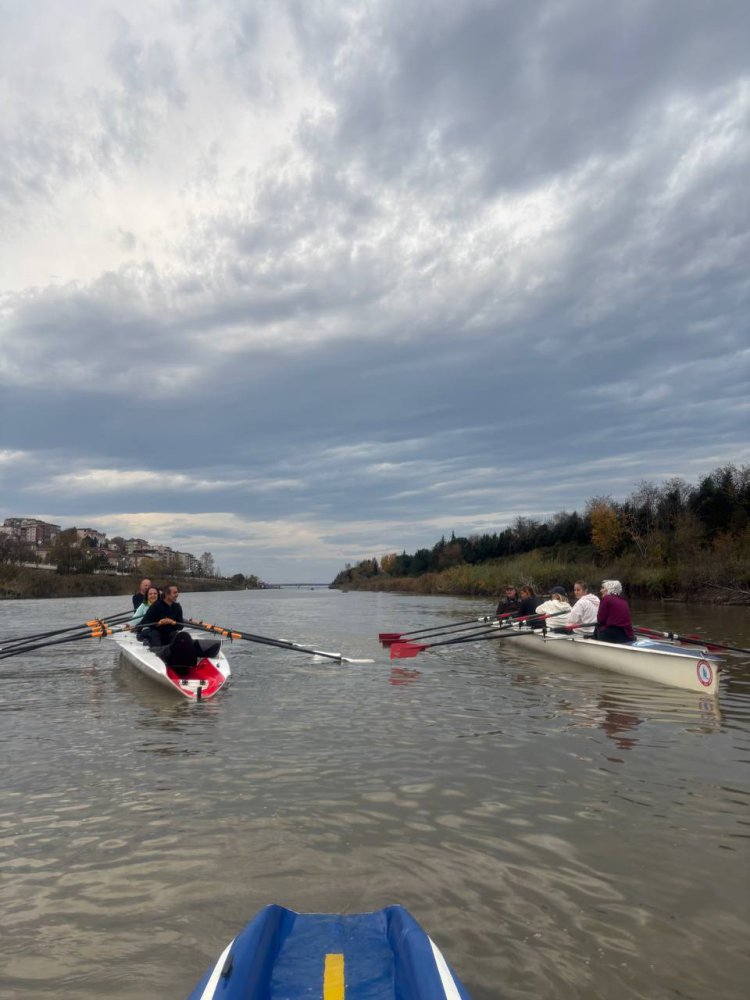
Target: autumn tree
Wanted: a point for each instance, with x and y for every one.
(388, 563)
(605, 528)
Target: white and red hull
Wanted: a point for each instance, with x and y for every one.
(198, 683)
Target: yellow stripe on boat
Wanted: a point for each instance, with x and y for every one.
(333, 978)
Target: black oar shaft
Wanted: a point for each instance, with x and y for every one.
(530, 621)
(470, 636)
(264, 640)
(30, 648)
(400, 650)
(23, 640)
(445, 630)
(435, 629)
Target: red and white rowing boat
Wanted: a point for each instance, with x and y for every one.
(197, 683)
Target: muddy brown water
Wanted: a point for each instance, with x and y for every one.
(560, 832)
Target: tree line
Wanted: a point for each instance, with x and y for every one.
(659, 525)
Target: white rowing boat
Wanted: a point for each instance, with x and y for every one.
(691, 667)
(198, 683)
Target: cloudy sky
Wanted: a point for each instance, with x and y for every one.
(309, 281)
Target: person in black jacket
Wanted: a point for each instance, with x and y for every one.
(165, 617)
(510, 604)
(140, 597)
(529, 601)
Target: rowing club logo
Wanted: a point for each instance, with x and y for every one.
(705, 673)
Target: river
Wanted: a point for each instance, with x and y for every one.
(559, 831)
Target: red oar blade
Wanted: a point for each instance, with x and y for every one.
(386, 638)
(406, 650)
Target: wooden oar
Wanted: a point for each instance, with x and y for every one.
(406, 650)
(264, 640)
(387, 638)
(694, 640)
(24, 639)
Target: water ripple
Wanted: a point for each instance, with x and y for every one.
(560, 833)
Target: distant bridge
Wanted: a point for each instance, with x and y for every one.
(299, 586)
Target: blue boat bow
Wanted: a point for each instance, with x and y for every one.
(383, 955)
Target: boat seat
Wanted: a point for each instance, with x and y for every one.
(181, 651)
(207, 647)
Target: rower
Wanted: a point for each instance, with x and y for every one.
(510, 604)
(613, 621)
(529, 601)
(140, 597)
(556, 607)
(585, 608)
(165, 617)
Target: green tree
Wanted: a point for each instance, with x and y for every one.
(155, 569)
(69, 556)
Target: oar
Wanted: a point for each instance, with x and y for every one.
(467, 633)
(264, 640)
(23, 640)
(386, 638)
(406, 650)
(96, 631)
(695, 640)
(492, 623)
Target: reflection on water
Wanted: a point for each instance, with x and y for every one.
(619, 715)
(403, 675)
(559, 831)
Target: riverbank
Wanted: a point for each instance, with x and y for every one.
(18, 583)
(699, 582)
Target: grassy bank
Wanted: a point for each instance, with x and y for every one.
(709, 580)
(23, 582)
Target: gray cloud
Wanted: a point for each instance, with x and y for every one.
(375, 272)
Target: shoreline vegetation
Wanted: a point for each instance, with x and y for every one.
(673, 542)
(675, 583)
(18, 583)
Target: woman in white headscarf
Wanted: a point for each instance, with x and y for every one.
(613, 621)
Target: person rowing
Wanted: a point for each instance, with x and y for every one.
(556, 606)
(529, 601)
(585, 609)
(164, 617)
(140, 597)
(152, 596)
(510, 604)
(613, 621)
